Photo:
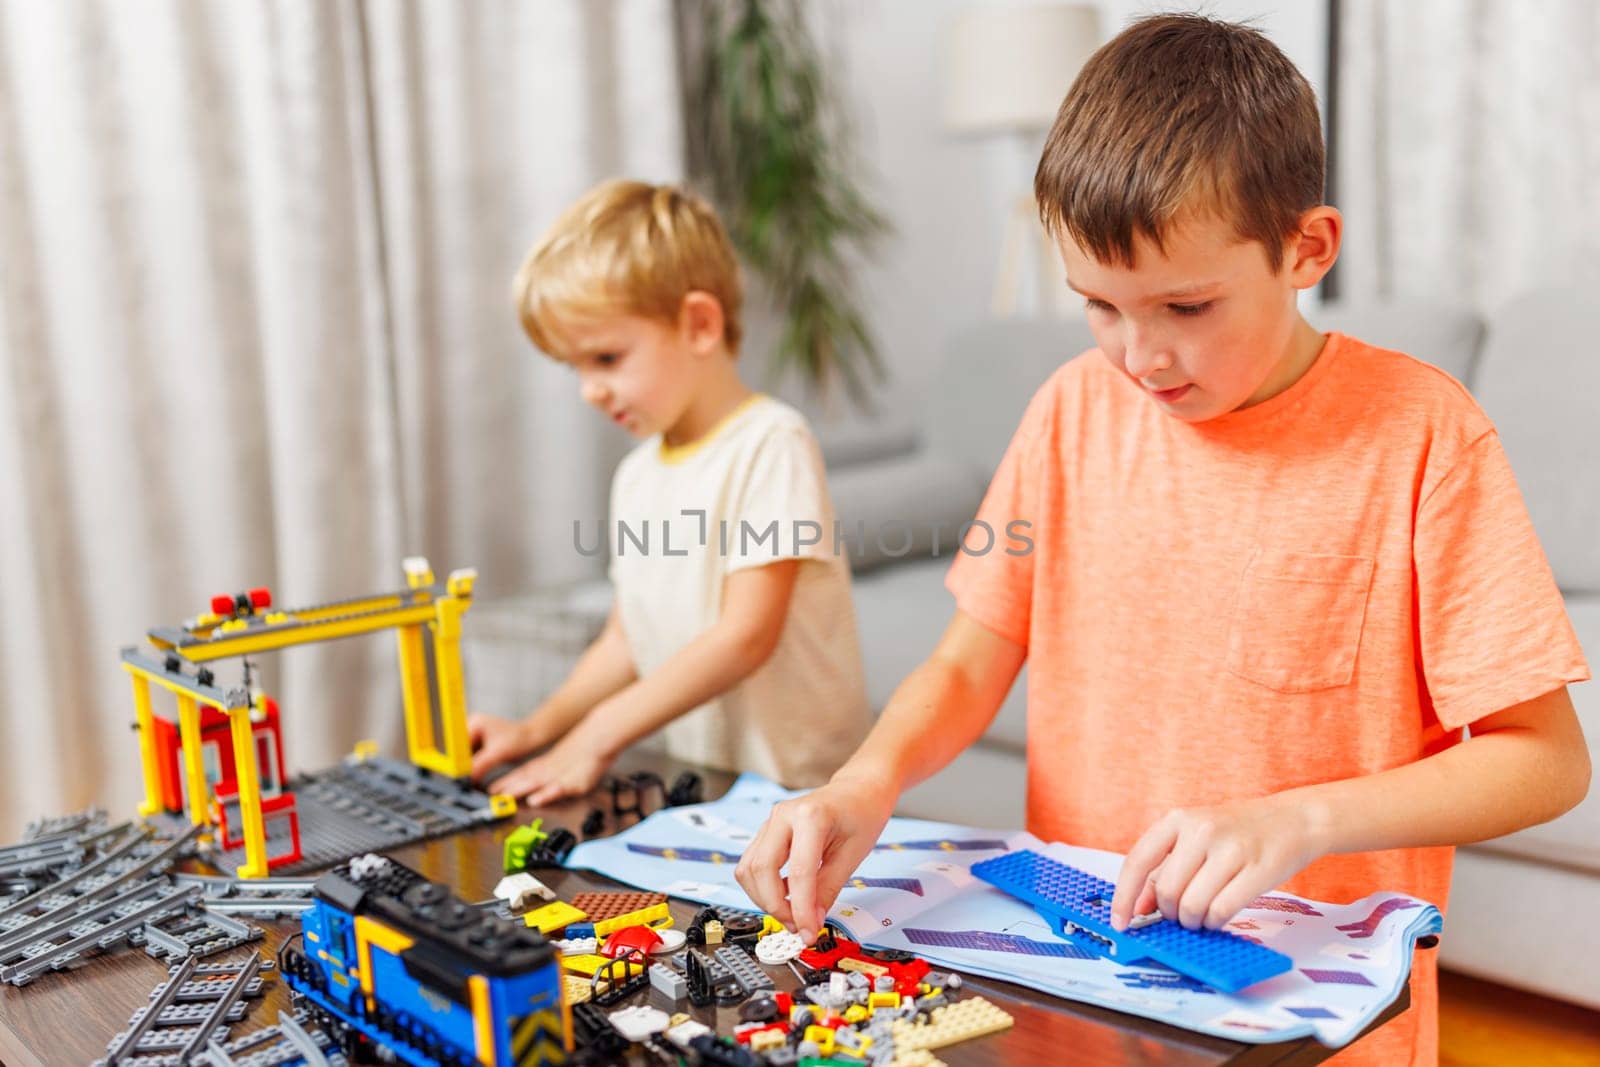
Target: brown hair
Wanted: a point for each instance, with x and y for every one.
(1182, 113)
(632, 248)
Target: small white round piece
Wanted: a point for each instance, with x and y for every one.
(671, 941)
(779, 948)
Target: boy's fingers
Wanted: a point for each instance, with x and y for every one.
(805, 856)
(1232, 898)
(1145, 856)
(1195, 903)
(758, 870)
(1177, 871)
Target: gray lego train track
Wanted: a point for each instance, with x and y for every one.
(136, 861)
(198, 932)
(260, 898)
(186, 1013)
(370, 805)
(68, 942)
(288, 1044)
(40, 829)
(60, 845)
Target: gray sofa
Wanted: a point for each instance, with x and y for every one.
(1508, 917)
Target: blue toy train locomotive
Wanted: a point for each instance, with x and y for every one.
(389, 958)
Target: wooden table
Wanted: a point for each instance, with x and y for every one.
(68, 1017)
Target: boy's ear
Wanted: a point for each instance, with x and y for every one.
(1311, 253)
(700, 321)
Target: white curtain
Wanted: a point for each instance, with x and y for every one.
(1469, 139)
(255, 330)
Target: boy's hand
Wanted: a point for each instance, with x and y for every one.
(496, 741)
(571, 769)
(821, 837)
(1200, 866)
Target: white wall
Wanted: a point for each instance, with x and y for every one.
(947, 196)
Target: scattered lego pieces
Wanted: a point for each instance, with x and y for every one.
(973, 1017)
(638, 939)
(577, 987)
(639, 1022)
(556, 915)
(522, 889)
(775, 950)
(671, 941)
(669, 982)
(751, 978)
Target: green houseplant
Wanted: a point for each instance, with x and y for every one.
(774, 152)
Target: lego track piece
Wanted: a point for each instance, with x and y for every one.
(189, 1006)
(116, 870)
(288, 1044)
(261, 898)
(105, 924)
(1078, 907)
(199, 932)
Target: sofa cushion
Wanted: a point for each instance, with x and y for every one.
(903, 508)
(902, 612)
(1540, 383)
(987, 375)
(1450, 338)
(857, 442)
(1574, 839)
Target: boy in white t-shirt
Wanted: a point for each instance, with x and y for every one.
(732, 628)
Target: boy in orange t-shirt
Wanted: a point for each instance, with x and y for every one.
(1275, 574)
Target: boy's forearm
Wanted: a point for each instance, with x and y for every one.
(1493, 784)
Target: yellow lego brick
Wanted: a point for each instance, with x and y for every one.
(823, 1037)
(556, 915)
(656, 916)
(713, 932)
(882, 1000)
(588, 963)
(577, 988)
(769, 925)
(965, 1019)
(854, 1014)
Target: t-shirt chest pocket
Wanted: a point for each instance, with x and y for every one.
(1297, 620)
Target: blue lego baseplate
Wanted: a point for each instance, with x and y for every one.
(1077, 905)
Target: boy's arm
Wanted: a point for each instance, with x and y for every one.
(940, 709)
(606, 667)
(1521, 766)
(755, 603)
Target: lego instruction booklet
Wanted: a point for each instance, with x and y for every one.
(915, 892)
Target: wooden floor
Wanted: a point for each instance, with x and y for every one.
(1486, 1025)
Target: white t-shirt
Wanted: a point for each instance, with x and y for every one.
(752, 492)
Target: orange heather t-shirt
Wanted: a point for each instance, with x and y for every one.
(1325, 585)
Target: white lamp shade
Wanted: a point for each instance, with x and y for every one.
(1010, 65)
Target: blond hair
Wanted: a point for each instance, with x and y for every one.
(632, 248)
(1176, 113)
